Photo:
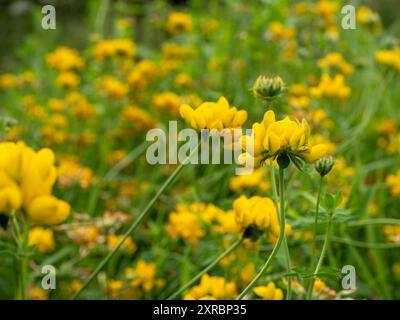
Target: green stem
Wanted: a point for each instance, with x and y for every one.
(135, 224)
(24, 260)
(277, 245)
(285, 242)
(206, 269)
(314, 239)
(322, 256)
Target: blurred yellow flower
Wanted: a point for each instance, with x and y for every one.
(269, 292)
(216, 287)
(42, 239)
(331, 87)
(64, 59)
(26, 181)
(179, 22)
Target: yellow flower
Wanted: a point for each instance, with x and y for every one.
(186, 224)
(167, 101)
(393, 181)
(331, 87)
(64, 59)
(112, 87)
(128, 245)
(70, 172)
(269, 292)
(179, 22)
(368, 18)
(213, 115)
(114, 48)
(259, 213)
(183, 80)
(336, 62)
(8, 81)
(326, 9)
(10, 194)
(85, 234)
(143, 275)
(255, 180)
(391, 58)
(37, 294)
(216, 287)
(135, 118)
(142, 74)
(114, 287)
(48, 210)
(280, 31)
(271, 139)
(42, 239)
(26, 181)
(67, 80)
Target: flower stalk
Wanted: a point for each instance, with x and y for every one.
(279, 242)
(322, 256)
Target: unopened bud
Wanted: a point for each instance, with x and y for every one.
(324, 165)
(267, 88)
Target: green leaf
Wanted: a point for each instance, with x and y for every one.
(297, 162)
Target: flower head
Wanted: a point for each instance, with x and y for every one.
(214, 115)
(26, 181)
(289, 138)
(258, 213)
(267, 88)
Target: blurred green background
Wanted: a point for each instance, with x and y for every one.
(21, 18)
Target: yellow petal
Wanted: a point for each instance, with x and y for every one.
(48, 210)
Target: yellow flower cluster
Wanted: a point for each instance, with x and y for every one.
(26, 181)
(128, 245)
(64, 59)
(112, 87)
(142, 74)
(188, 219)
(390, 58)
(269, 292)
(133, 117)
(271, 138)
(331, 87)
(167, 101)
(392, 233)
(71, 173)
(213, 115)
(280, 32)
(68, 80)
(259, 213)
(42, 239)
(298, 96)
(185, 223)
(368, 18)
(393, 181)
(143, 276)
(255, 181)
(88, 235)
(335, 61)
(179, 22)
(326, 9)
(212, 288)
(114, 48)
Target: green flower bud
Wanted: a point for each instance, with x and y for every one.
(324, 165)
(266, 88)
